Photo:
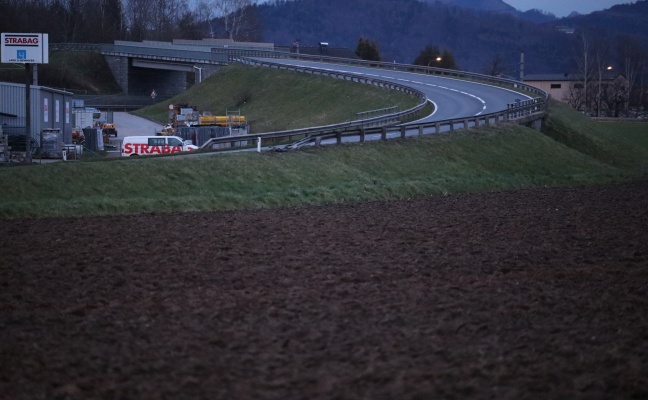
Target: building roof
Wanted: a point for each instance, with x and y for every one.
(606, 76)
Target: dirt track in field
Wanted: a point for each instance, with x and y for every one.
(513, 295)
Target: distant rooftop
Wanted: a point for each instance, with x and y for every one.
(607, 75)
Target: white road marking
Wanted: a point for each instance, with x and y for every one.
(429, 84)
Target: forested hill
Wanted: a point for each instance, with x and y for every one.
(619, 20)
(483, 5)
(402, 28)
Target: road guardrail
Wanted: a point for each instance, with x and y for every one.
(385, 125)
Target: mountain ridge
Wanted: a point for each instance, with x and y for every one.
(482, 5)
(403, 28)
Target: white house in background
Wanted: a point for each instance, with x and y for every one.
(569, 88)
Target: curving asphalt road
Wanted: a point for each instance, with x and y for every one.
(453, 98)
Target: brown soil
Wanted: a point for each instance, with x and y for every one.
(535, 294)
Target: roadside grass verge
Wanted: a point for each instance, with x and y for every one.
(620, 144)
(277, 100)
(499, 157)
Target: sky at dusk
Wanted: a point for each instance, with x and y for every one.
(562, 8)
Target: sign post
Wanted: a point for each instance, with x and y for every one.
(28, 49)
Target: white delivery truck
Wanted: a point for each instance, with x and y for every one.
(148, 145)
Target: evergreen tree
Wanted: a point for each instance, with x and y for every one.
(431, 56)
(428, 56)
(448, 60)
(367, 50)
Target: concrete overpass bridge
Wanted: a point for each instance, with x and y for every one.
(172, 67)
(139, 68)
(168, 67)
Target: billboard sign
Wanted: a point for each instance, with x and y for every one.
(25, 48)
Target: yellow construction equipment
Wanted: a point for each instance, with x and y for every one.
(109, 129)
(221, 120)
(166, 131)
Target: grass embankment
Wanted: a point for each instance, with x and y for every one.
(277, 100)
(78, 72)
(576, 151)
(622, 144)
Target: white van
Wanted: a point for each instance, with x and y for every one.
(147, 145)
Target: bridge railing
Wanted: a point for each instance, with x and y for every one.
(529, 112)
(165, 54)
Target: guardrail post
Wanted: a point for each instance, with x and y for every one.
(318, 141)
(465, 124)
(383, 133)
(403, 132)
(362, 135)
(437, 128)
(338, 137)
(259, 144)
(420, 129)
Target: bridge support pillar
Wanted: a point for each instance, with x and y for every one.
(119, 68)
(536, 125)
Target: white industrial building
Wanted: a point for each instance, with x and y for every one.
(49, 109)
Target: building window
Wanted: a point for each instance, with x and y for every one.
(556, 86)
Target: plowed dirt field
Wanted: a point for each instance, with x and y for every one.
(530, 294)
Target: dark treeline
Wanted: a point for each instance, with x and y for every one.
(101, 21)
(479, 41)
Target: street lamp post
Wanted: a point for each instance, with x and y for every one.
(598, 101)
(438, 60)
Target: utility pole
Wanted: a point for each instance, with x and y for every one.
(522, 66)
(28, 78)
(28, 49)
(641, 91)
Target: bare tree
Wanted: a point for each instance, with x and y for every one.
(238, 17)
(578, 96)
(600, 67)
(137, 19)
(614, 96)
(206, 13)
(496, 66)
(632, 59)
(232, 12)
